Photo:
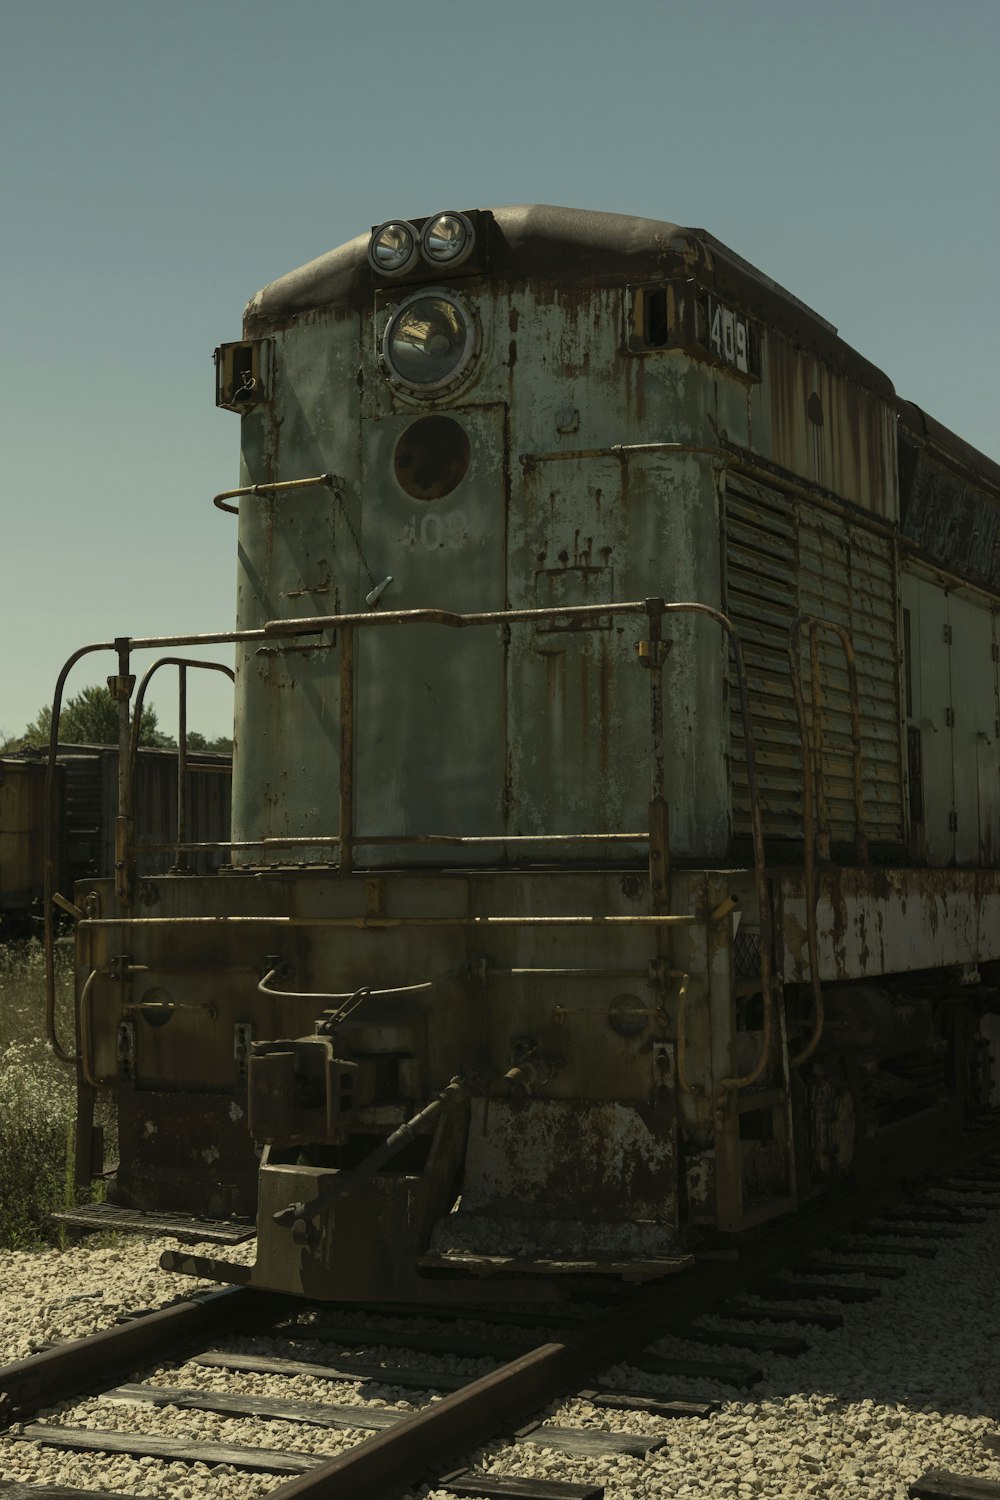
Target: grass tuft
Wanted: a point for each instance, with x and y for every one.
(36, 1101)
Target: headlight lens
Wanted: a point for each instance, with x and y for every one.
(447, 239)
(429, 341)
(393, 248)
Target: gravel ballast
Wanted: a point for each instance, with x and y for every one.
(911, 1382)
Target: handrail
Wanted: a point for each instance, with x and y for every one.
(181, 663)
(655, 609)
(811, 741)
(165, 661)
(49, 861)
(380, 924)
(331, 481)
(365, 841)
(317, 624)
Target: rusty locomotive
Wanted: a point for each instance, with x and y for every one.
(615, 860)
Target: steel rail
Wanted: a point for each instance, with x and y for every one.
(421, 1447)
(68, 1370)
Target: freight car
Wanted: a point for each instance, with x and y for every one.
(85, 805)
(22, 818)
(616, 808)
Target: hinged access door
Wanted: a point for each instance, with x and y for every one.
(429, 699)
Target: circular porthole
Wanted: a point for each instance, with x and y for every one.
(430, 341)
(432, 457)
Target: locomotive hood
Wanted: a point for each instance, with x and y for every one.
(568, 246)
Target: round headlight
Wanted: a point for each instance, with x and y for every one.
(447, 239)
(429, 340)
(393, 248)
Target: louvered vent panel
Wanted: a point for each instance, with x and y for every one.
(873, 630)
(785, 557)
(825, 593)
(761, 594)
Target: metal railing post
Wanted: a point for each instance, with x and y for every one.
(347, 750)
(120, 688)
(182, 779)
(652, 654)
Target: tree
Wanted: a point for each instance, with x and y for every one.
(197, 741)
(91, 718)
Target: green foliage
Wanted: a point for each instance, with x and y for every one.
(36, 1101)
(220, 744)
(91, 718)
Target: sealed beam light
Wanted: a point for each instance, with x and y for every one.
(429, 341)
(393, 248)
(447, 239)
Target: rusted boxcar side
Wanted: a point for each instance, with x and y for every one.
(91, 774)
(84, 809)
(22, 857)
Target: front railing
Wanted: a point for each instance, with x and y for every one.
(180, 847)
(651, 654)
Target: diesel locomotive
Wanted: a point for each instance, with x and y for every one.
(615, 855)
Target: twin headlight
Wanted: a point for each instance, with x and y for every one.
(432, 337)
(395, 247)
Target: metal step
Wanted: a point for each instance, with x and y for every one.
(939, 1484)
(110, 1218)
(637, 1269)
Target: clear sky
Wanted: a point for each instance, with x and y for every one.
(161, 162)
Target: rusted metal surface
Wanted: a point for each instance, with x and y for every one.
(437, 1028)
(453, 1427)
(811, 742)
(532, 1165)
(120, 687)
(538, 242)
(377, 924)
(107, 1218)
(346, 784)
(835, 432)
(63, 1372)
(474, 706)
(942, 1484)
(785, 558)
(948, 499)
(890, 921)
(22, 857)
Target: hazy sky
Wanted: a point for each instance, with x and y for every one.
(161, 162)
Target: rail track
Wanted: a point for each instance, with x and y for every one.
(762, 1304)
